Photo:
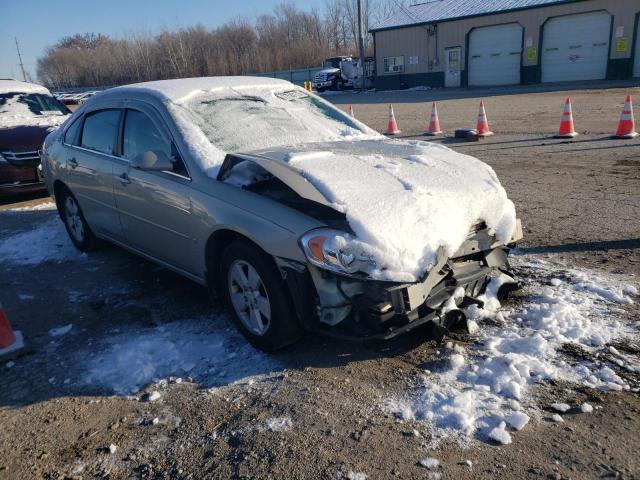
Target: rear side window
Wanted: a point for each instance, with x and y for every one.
(100, 131)
(71, 136)
(141, 135)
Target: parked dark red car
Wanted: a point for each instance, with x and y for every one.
(28, 113)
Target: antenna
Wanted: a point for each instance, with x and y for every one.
(24, 75)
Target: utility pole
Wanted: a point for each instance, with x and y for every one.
(361, 44)
(24, 75)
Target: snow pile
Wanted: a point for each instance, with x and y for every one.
(46, 242)
(405, 200)
(480, 394)
(207, 349)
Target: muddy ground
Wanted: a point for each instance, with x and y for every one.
(580, 204)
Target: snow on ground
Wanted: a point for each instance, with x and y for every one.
(47, 241)
(32, 208)
(484, 391)
(209, 350)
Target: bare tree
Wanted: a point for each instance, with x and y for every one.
(286, 38)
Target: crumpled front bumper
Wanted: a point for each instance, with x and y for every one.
(366, 309)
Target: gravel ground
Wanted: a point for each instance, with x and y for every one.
(314, 411)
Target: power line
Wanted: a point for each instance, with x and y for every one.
(24, 75)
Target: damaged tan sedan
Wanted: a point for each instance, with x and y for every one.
(297, 215)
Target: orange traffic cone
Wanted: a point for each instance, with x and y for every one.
(351, 111)
(434, 123)
(10, 341)
(483, 125)
(627, 124)
(566, 125)
(392, 126)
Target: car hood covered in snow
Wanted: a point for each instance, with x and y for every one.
(403, 199)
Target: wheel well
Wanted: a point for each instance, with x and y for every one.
(216, 244)
(58, 185)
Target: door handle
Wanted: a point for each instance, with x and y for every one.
(124, 179)
(72, 162)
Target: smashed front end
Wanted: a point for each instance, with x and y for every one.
(362, 308)
(333, 291)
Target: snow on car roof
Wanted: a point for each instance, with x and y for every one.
(7, 86)
(181, 89)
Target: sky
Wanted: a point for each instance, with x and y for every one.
(40, 23)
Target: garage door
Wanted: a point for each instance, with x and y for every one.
(576, 47)
(494, 55)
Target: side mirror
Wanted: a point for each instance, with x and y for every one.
(153, 161)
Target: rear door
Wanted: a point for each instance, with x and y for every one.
(90, 160)
(155, 207)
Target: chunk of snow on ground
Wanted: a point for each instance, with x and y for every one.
(456, 361)
(430, 463)
(59, 331)
(356, 476)
(25, 296)
(113, 448)
(526, 348)
(278, 424)
(557, 418)
(500, 435)
(561, 407)
(469, 464)
(630, 290)
(48, 241)
(154, 396)
(517, 420)
(208, 349)
(33, 208)
(586, 408)
(9, 364)
(556, 282)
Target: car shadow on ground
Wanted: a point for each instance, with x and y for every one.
(132, 323)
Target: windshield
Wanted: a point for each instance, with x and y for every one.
(31, 104)
(332, 63)
(234, 122)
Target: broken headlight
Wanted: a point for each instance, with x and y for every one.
(335, 250)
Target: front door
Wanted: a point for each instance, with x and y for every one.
(452, 67)
(155, 206)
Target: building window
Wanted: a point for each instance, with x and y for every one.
(393, 64)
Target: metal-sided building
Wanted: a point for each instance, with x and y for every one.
(457, 43)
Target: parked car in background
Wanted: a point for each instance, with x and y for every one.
(296, 214)
(28, 113)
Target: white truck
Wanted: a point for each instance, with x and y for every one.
(343, 72)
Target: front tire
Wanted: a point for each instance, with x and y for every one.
(75, 223)
(257, 297)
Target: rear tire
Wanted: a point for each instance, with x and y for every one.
(75, 223)
(257, 297)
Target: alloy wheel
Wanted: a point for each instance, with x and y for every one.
(249, 297)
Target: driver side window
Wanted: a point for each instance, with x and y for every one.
(140, 135)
